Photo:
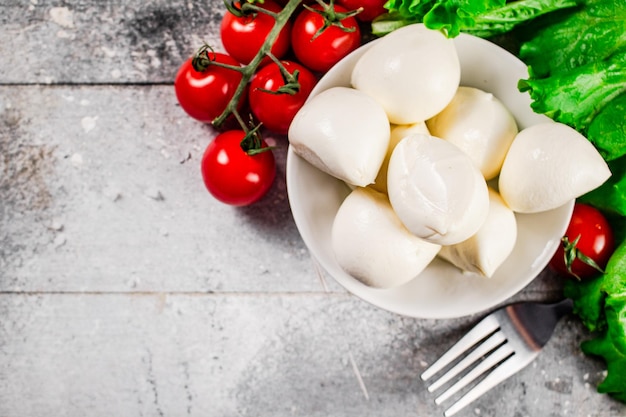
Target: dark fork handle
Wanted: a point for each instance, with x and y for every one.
(542, 318)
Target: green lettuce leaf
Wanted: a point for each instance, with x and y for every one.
(607, 130)
(583, 83)
(577, 96)
(611, 346)
(590, 296)
(410, 8)
(504, 19)
(449, 16)
(589, 300)
(590, 34)
(484, 18)
(601, 305)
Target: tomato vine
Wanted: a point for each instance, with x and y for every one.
(213, 87)
(202, 58)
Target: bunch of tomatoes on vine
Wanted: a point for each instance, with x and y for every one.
(275, 52)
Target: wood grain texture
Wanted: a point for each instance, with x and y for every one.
(279, 355)
(125, 289)
(103, 192)
(103, 41)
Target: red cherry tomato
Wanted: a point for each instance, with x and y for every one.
(205, 95)
(242, 37)
(276, 111)
(321, 53)
(595, 241)
(232, 175)
(371, 8)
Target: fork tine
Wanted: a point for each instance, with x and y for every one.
(490, 361)
(507, 368)
(483, 329)
(483, 349)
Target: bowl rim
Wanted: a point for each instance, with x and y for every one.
(381, 298)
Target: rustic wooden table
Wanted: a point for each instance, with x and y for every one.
(126, 290)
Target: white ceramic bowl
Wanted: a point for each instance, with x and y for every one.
(441, 291)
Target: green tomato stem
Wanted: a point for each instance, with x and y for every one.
(571, 253)
(202, 60)
(249, 70)
(332, 17)
(290, 85)
(246, 8)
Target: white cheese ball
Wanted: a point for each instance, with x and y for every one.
(371, 244)
(398, 132)
(548, 165)
(479, 124)
(485, 251)
(413, 72)
(436, 190)
(343, 132)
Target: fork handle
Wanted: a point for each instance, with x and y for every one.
(541, 317)
(563, 307)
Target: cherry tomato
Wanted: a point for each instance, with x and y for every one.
(321, 53)
(242, 37)
(371, 8)
(232, 175)
(595, 241)
(276, 111)
(205, 95)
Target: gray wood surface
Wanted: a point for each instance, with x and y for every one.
(125, 289)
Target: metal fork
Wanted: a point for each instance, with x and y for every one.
(503, 342)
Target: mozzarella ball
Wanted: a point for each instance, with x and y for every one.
(485, 251)
(548, 165)
(371, 244)
(413, 72)
(398, 132)
(343, 132)
(479, 124)
(436, 190)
